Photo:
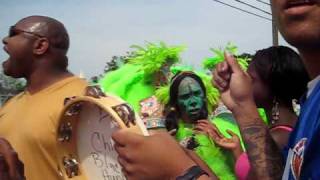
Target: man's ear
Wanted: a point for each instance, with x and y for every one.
(40, 46)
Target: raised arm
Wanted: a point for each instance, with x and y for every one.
(236, 93)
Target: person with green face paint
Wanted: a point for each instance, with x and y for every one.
(191, 100)
(187, 101)
(187, 105)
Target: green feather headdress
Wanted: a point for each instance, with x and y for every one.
(210, 63)
(162, 93)
(153, 56)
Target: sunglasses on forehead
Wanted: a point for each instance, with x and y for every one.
(13, 31)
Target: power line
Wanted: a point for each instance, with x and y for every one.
(245, 11)
(264, 2)
(254, 7)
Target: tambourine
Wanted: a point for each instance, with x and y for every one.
(85, 146)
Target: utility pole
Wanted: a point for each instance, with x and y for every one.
(275, 38)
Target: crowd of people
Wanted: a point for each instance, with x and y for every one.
(201, 126)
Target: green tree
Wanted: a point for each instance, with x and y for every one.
(9, 87)
(115, 63)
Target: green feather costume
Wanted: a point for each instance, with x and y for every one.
(133, 81)
(210, 63)
(219, 161)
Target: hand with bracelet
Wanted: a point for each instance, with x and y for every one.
(154, 157)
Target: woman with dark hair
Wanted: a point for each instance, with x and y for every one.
(278, 78)
(188, 104)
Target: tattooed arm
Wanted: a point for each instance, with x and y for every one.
(264, 156)
(237, 94)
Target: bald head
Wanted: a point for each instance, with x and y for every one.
(47, 27)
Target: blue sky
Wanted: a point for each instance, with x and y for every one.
(100, 29)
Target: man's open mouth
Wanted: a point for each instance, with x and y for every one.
(5, 49)
(297, 3)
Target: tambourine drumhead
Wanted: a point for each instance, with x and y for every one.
(84, 136)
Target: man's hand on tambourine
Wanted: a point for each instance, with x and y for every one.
(150, 157)
(11, 168)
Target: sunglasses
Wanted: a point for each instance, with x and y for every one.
(13, 31)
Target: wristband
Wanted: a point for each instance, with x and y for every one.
(154, 123)
(192, 173)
